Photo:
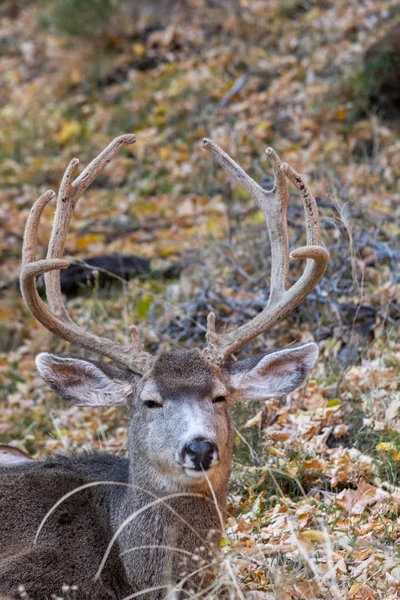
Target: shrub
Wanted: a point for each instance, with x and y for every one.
(89, 18)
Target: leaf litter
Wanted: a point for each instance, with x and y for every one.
(315, 497)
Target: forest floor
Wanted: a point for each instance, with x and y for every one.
(314, 504)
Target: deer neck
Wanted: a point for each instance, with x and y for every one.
(159, 515)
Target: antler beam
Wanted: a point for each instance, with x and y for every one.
(55, 316)
(274, 205)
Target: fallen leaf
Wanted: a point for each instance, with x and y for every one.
(256, 420)
(316, 536)
(356, 501)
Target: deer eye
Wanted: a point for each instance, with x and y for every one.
(219, 399)
(152, 404)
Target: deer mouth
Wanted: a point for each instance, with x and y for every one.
(196, 473)
(199, 471)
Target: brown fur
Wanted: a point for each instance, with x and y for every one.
(181, 373)
(76, 534)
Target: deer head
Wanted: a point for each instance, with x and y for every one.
(181, 423)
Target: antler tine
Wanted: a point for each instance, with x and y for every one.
(32, 226)
(313, 230)
(274, 205)
(62, 220)
(316, 255)
(68, 195)
(55, 317)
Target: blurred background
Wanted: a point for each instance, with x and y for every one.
(167, 237)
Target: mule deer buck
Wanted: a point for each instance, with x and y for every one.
(146, 526)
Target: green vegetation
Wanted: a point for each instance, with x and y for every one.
(88, 18)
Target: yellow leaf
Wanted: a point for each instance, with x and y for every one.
(341, 114)
(258, 218)
(292, 468)
(68, 130)
(313, 464)
(332, 402)
(165, 152)
(6, 314)
(138, 49)
(315, 536)
(168, 249)
(331, 146)
(213, 224)
(275, 451)
(356, 586)
(86, 240)
(388, 448)
(76, 76)
(312, 15)
(263, 126)
(385, 447)
(225, 541)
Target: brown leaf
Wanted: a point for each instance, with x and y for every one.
(356, 501)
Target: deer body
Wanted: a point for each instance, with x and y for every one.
(147, 526)
(76, 534)
(94, 514)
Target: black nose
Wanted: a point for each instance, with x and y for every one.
(201, 452)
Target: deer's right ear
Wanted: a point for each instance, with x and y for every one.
(83, 383)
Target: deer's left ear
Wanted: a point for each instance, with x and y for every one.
(275, 374)
(84, 383)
